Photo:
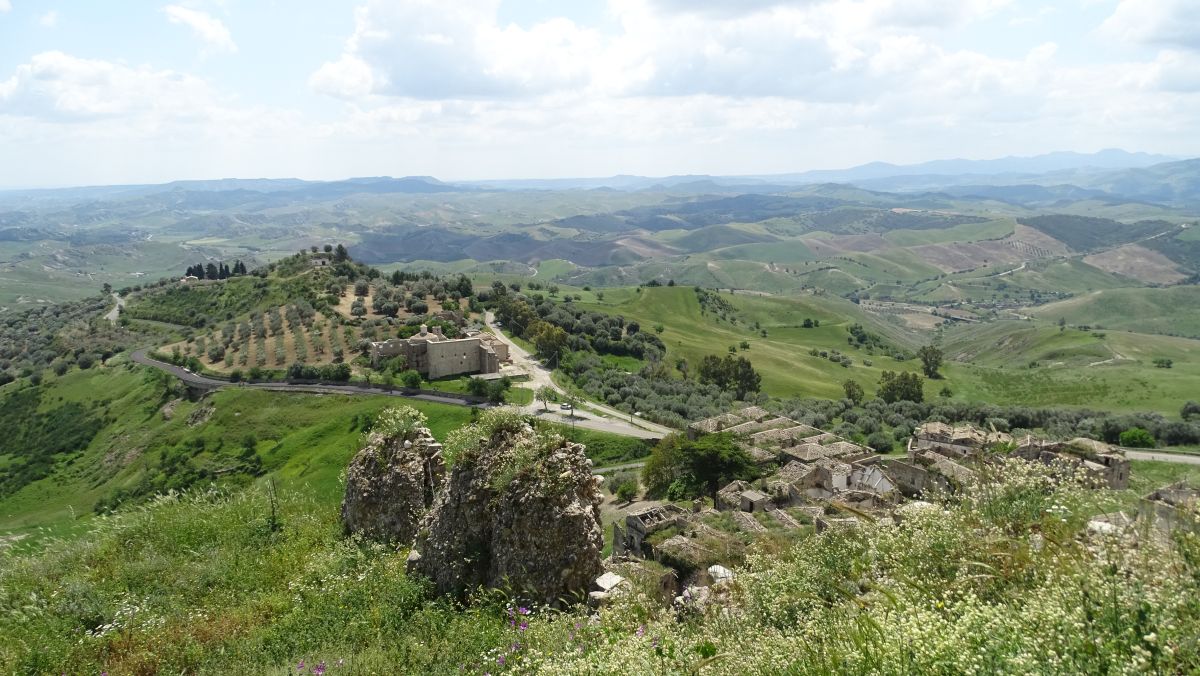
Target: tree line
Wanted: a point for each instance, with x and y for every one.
(217, 270)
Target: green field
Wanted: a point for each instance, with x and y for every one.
(782, 357)
(1173, 310)
(987, 362)
(966, 232)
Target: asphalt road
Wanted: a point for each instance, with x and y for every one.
(579, 419)
(196, 380)
(1181, 458)
(611, 419)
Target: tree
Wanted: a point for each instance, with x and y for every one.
(1189, 409)
(854, 391)
(411, 379)
(546, 394)
(703, 465)
(328, 248)
(361, 288)
(880, 442)
(548, 338)
(931, 361)
(627, 491)
(895, 387)
(1136, 437)
(340, 254)
(107, 289)
(730, 373)
(211, 272)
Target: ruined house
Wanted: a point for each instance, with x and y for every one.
(955, 441)
(1107, 465)
(631, 539)
(1171, 508)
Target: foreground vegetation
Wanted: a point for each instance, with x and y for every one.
(997, 579)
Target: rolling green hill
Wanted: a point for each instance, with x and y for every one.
(989, 362)
(1171, 311)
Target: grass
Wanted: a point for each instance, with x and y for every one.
(304, 441)
(989, 360)
(1172, 311)
(966, 232)
(205, 583)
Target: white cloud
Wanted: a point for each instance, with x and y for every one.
(347, 78)
(207, 27)
(5, 6)
(58, 87)
(49, 19)
(1156, 22)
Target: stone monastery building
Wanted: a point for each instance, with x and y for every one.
(433, 355)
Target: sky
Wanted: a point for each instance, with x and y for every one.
(135, 92)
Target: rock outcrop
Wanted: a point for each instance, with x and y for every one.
(392, 481)
(520, 510)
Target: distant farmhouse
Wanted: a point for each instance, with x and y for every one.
(433, 355)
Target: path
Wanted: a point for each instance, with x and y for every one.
(611, 419)
(618, 468)
(115, 313)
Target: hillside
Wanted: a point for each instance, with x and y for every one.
(1173, 311)
(987, 362)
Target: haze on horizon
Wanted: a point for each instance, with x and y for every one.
(489, 89)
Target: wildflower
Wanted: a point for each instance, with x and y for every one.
(500, 660)
(641, 631)
(319, 669)
(300, 666)
(523, 626)
(523, 610)
(516, 647)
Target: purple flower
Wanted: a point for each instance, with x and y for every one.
(500, 660)
(523, 610)
(300, 666)
(654, 642)
(523, 626)
(319, 669)
(641, 630)
(516, 647)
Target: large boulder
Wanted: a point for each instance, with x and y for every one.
(392, 481)
(520, 511)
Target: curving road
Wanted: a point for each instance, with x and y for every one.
(539, 376)
(203, 382)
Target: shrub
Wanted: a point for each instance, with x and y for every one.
(1136, 437)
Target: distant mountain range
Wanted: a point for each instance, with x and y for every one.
(1105, 175)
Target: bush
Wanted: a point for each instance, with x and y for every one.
(880, 442)
(411, 379)
(1136, 437)
(627, 491)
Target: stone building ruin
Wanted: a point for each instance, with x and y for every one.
(434, 356)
